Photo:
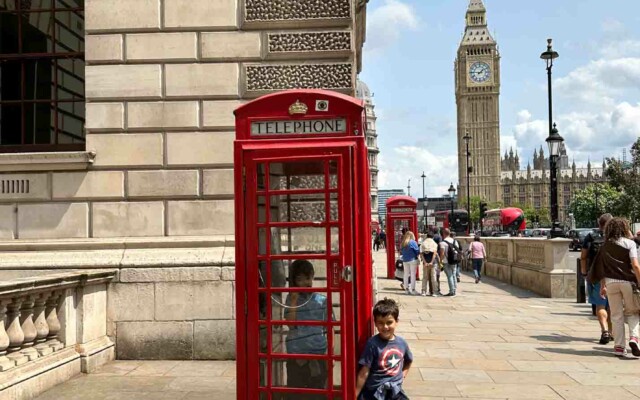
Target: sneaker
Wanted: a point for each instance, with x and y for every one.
(402, 286)
(453, 294)
(633, 343)
(620, 351)
(605, 338)
(424, 294)
(458, 279)
(434, 295)
(477, 280)
(449, 294)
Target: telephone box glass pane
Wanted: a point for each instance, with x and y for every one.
(398, 226)
(333, 207)
(336, 305)
(301, 373)
(337, 375)
(262, 210)
(333, 174)
(309, 240)
(300, 339)
(260, 175)
(299, 207)
(296, 175)
(335, 240)
(298, 272)
(277, 274)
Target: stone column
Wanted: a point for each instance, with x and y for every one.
(28, 328)
(42, 328)
(5, 363)
(14, 330)
(53, 321)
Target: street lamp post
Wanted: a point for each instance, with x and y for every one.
(554, 140)
(452, 193)
(467, 138)
(409, 187)
(424, 204)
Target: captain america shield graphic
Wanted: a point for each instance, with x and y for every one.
(391, 361)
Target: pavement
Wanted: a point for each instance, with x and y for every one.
(492, 341)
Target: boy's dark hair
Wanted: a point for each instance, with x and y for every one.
(430, 235)
(301, 268)
(386, 307)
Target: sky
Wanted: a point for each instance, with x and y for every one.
(408, 64)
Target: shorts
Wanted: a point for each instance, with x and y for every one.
(593, 290)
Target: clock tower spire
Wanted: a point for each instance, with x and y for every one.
(477, 82)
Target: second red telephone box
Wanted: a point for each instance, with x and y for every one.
(303, 254)
(401, 216)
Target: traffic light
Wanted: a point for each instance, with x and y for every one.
(483, 209)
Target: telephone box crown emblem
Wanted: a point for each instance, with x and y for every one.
(298, 108)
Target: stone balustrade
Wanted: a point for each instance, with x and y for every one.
(51, 328)
(538, 265)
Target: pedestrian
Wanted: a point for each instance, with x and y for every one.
(383, 240)
(637, 239)
(306, 339)
(616, 267)
(430, 261)
(410, 252)
(590, 246)
(447, 256)
(386, 359)
(438, 238)
(376, 242)
(478, 254)
(458, 249)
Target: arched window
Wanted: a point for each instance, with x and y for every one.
(41, 75)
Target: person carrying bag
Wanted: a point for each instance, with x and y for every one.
(616, 268)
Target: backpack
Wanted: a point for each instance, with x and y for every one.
(453, 252)
(595, 243)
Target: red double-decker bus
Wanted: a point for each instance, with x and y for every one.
(509, 220)
(458, 224)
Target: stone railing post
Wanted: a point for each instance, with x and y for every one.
(42, 327)
(53, 321)
(14, 331)
(28, 328)
(5, 363)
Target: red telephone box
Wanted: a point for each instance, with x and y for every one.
(401, 213)
(303, 251)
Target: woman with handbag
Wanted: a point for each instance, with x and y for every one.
(616, 267)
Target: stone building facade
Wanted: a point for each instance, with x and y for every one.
(137, 172)
(477, 83)
(363, 92)
(530, 187)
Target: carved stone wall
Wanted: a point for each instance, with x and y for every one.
(309, 42)
(303, 76)
(275, 10)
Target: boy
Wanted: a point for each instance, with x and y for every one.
(386, 359)
(305, 339)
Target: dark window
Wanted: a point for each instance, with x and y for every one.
(41, 75)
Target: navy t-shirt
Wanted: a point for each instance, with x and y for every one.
(385, 359)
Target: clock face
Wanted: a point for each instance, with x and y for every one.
(480, 72)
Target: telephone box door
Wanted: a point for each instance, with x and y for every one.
(299, 292)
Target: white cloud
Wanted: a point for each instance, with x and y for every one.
(612, 25)
(408, 162)
(621, 48)
(385, 24)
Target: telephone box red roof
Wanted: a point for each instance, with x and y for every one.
(396, 199)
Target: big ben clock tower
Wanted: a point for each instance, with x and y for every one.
(477, 75)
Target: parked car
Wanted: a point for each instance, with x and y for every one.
(541, 233)
(527, 232)
(577, 238)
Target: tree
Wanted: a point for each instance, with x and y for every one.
(625, 177)
(584, 208)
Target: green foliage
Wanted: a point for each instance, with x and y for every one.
(626, 179)
(584, 207)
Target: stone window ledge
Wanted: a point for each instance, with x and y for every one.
(52, 161)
